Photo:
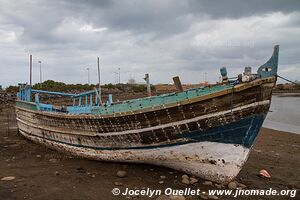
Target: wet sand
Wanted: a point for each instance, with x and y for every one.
(41, 173)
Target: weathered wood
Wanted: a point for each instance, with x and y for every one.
(177, 84)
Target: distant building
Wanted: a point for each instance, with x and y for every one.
(0, 87)
(131, 81)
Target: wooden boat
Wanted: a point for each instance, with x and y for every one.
(207, 132)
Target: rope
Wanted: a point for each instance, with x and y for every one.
(288, 80)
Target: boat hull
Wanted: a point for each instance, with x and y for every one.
(216, 161)
(213, 144)
(196, 159)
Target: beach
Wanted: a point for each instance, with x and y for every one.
(40, 173)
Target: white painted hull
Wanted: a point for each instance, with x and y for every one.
(218, 162)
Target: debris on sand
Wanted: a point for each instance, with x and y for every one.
(240, 185)
(232, 185)
(264, 173)
(208, 183)
(185, 179)
(165, 197)
(179, 197)
(53, 160)
(193, 180)
(80, 170)
(184, 176)
(207, 196)
(118, 184)
(121, 174)
(8, 178)
(219, 186)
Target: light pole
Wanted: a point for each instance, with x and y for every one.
(88, 71)
(116, 79)
(119, 75)
(40, 62)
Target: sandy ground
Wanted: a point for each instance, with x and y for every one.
(41, 173)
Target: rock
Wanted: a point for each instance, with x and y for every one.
(232, 185)
(8, 178)
(171, 172)
(80, 170)
(185, 181)
(258, 150)
(161, 182)
(118, 184)
(121, 174)
(38, 156)
(185, 176)
(218, 186)
(56, 173)
(208, 183)
(179, 197)
(162, 177)
(53, 160)
(193, 180)
(212, 197)
(163, 197)
(240, 185)
(93, 176)
(203, 196)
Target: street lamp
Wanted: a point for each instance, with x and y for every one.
(116, 79)
(40, 62)
(88, 70)
(119, 75)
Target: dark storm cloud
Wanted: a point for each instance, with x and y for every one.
(163, 18)
(170, 37)
(158, 15)
(238, 8)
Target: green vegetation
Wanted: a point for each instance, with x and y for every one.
(51, 85)
(12, 89)
(288, 86)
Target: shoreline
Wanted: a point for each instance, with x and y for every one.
(277, 126)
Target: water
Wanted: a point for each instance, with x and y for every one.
(284, 114)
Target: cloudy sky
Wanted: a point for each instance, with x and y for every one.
(160, 37)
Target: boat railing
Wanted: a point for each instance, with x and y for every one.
(82, 102)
